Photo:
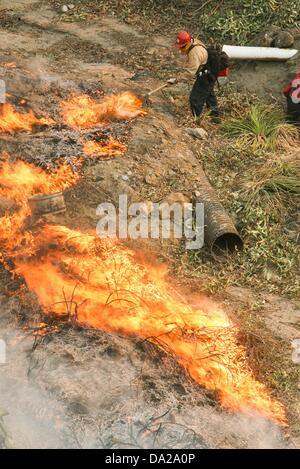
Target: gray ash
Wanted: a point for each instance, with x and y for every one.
(49, 147)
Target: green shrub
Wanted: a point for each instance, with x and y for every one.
(239, 20)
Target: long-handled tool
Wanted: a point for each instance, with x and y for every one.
(171, 81)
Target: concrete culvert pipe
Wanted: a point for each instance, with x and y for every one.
(220, 234)
(47, 204)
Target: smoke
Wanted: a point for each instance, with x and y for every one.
(88, 389)
(34, 418)
(35, 80)
(227, 430)
(40, 68)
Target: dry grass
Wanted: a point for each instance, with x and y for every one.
(262, 128)
(271, 181)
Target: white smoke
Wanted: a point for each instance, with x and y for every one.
(34, 418)
(39, 66)
(95, 391)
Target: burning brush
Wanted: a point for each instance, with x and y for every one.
(82, 112)
(84, 116)
(12, 121)
(109, 287)
(104, 149)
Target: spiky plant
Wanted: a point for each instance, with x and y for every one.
(288, 184)
(263, 128)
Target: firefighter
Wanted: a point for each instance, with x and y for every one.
(203, 90)
(292, 94)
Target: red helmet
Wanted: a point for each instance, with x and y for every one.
(182, 39)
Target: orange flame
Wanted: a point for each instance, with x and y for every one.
(83, 111)
(104, 149)
(8, 65)
(19, 181)
(12, 121)
(104, 285)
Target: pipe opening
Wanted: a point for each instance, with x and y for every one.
(227, 243)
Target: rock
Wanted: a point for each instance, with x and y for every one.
(167, 213)
(132, 19)
(266, 41)
(125, 177)
(177, 197)
(266, 38)
(197, 132)
(64, 9)
(151, 179)
(275, 37)
(284, 40)
(71, 6)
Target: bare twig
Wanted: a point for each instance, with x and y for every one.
(201, 7)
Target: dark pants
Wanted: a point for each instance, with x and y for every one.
(203, 93)
(293, 111)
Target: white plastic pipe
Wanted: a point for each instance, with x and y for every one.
(259, 53)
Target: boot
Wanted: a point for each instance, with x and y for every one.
(215, 116)
(216, 119)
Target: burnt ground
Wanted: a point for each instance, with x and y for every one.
(79, 388)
